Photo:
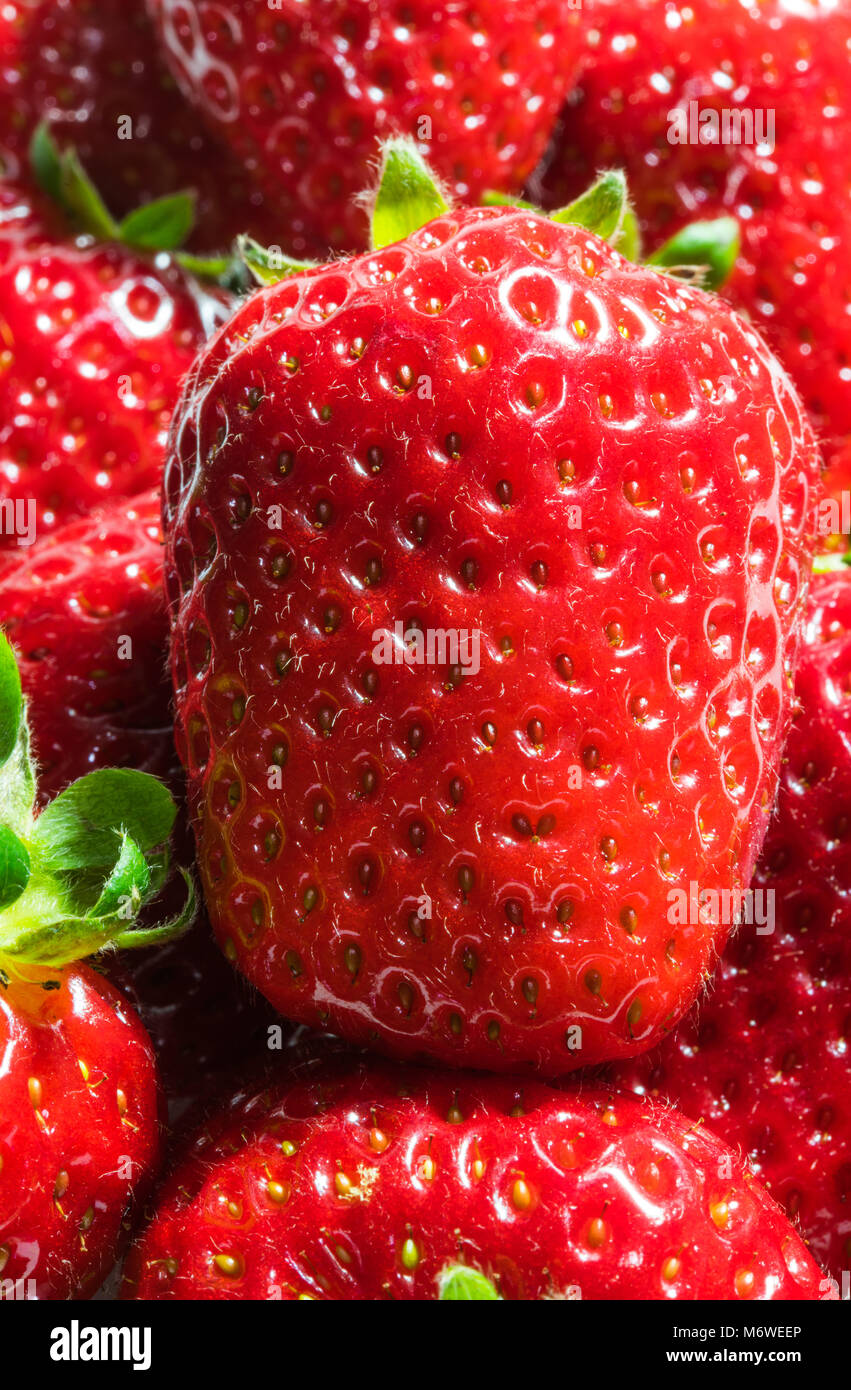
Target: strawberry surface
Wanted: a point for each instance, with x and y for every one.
(764, 1057)
(79, 1129)
(501, 426)
(84, 607)
(303, 96)
(355, 1180)
(94, 341)
(787, 62)
(94, 70)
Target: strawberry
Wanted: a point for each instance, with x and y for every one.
(79, 1098)
(93, 69)
(785, 66)
(349, 1179)
(496, 427)
(763, 1057)
(303, 95)
(85, 608)
(79, 1130)
(94, 340)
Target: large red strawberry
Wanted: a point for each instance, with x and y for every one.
(497, 427)
(660, 72)
(94, 341)
(304, 94)
(764, 1058)
(354, 1180)
(93, 69)
(79, 1100)
(84, 606)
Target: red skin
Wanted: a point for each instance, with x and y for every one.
(764, 1057)
(86, 64)
(67, 604)
(77, 1151)
(304, 94)
(94, 342)
(594, 1191)
(794, 204)
(473, 985)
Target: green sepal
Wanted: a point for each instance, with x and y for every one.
(123, 892)
(460, 1284)
(161, 225)
(14, 867)
(601, 209)
(708, 248)
(76, 832)
(167, 931)
(408, 195)
(268, 264)
(628, 239)
(494, 199)
(11, 701)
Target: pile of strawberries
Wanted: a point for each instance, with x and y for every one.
(425, 718)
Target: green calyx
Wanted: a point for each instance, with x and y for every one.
(408, 196)
(460, 1284)
(74, 879)
(161, 225)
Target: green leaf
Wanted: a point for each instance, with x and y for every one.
(457, 1283)
(712, 247)
(268, 264)
(124, 890)
(82, 201)
(601, 209)
(161, 225)
(11, 701)
(77, 831)
(46, 161)
(408, 195)
(14, 867)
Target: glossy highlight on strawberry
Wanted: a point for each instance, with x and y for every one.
(351, 1179)
(497, 425)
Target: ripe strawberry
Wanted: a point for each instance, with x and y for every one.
(785, 62)
(79, 1129)
(499, 426)
(355, 1180)
(303, 97)
(79, 1137)
(89, 67)
(85, 608)
(764, 1057)
(94, 340)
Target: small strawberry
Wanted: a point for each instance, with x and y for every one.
(304, 94)
(85, 608)
(764, 1057)
(94, 341)
(93, 69)
(79, 1100)
(354, 1180)
(597, 481)
(657, 68)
